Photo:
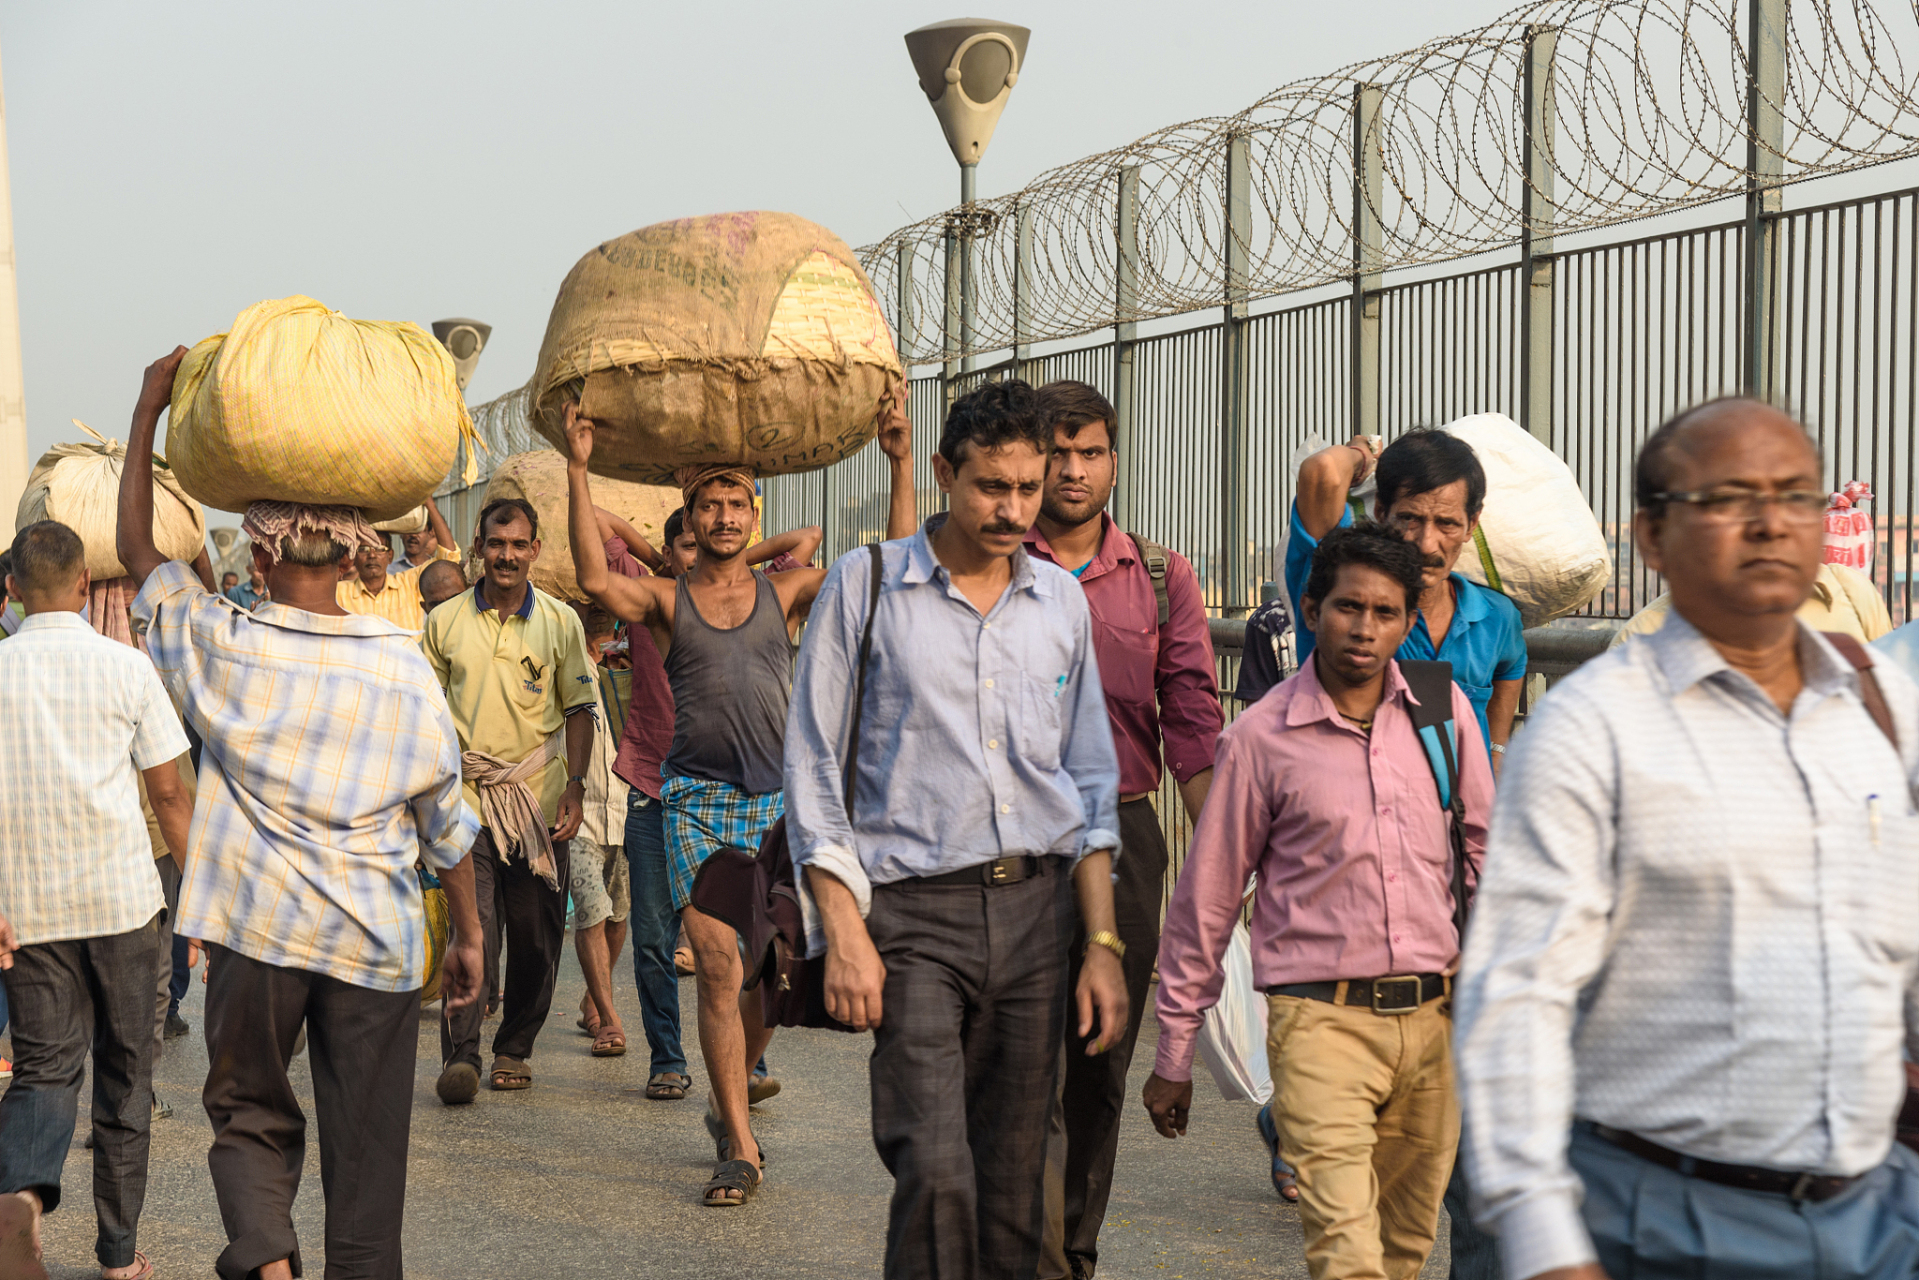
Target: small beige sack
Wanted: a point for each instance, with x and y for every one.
(79, 485)
(750, 339)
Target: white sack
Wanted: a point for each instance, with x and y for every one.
(1232, 1036)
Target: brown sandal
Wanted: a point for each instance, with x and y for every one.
(733, 1184)
(609, 1042)
(668, 1086)
(510, 1073)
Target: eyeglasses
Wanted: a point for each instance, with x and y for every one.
(1738, 506)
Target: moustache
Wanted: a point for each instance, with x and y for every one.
(1435, 562)
(1002, 526)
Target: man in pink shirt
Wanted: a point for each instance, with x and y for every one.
(1323, 788)
(1156, 665)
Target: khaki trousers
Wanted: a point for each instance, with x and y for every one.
(1368, 1117)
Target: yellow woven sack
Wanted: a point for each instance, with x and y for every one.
(79, 485)
(439, 925)
(539, 477)
(744, 338)
(298, 403)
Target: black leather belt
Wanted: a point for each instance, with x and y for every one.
(1746, 1177)
(1397, 995)
(997, 872)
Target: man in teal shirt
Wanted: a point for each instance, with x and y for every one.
(1430, 490)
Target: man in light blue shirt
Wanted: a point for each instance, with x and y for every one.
(986, 791)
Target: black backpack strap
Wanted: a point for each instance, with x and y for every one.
(1432, 688)
(850, 768)
(1155, 558)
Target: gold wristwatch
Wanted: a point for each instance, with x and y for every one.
(1109, 940)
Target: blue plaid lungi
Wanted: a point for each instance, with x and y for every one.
(704, 816)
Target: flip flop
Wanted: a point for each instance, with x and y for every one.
(609, 1042)
(668, 1086)
(1283, 1179)
(759, 1088)
(731, 1176)
(510, 1073)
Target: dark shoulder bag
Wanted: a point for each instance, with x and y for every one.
(1432, 686)
(760, 896)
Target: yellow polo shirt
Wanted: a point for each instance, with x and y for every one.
(398, 600)
(510, 685)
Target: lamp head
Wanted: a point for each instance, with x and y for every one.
(968, 67)
(465, 339)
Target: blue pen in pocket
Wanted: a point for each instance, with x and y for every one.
(1059, 686)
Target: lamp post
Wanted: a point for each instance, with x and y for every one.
(968, 67)
(13, 396)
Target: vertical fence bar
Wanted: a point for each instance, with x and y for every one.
(1235, 397)
(1765, 164)
(905, 307)
(1368, 255)
(1536, 242)
(950, 331)
(1125, 338)
(1023, 365)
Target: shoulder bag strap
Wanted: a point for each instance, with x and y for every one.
(1155, 558)
(851, 767)
(1869, 691)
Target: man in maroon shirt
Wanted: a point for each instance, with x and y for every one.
(1161, 695)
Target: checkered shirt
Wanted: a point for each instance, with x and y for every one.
(330, 765)
(83, 714)
(703, 817)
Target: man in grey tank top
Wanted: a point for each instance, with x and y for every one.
(726, 636)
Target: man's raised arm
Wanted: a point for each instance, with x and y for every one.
(134, 540)
(625, 598)
(442, 532)
(896, 442)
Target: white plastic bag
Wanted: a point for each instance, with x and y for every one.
(1232, 1037)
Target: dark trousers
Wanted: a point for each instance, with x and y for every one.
(533, 920)
(163, 997)
(360, 1046)
(66, 997)
(1083, 1135)
(964, 1068)
(1475, 1254)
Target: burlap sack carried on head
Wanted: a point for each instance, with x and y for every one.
(745, 338)
(79, 485)
(540, 478)
(297, 403)
(1538, 540)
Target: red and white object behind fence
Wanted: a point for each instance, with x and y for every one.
(1848, 529)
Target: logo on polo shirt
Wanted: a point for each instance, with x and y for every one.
(533, 672)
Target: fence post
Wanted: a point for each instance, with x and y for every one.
(950, 330)
(1368, 246)
(1125, 334)
(1023, 293)
(1234, 593)
(1765, 165)
(1536, 241)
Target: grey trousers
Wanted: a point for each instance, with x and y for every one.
(360, 1046)
(163, 978)
(965, 1062)
(1653, 1223)
(67, 997)
(1083, 1137)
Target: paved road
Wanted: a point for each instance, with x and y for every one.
(581, 1176)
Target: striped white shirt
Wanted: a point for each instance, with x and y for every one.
(330, 765)
(1698, 922)
(82, 713)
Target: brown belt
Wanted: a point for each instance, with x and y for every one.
(997, 872)
(1746, 1177)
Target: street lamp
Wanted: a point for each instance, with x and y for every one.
(464, 340)
(968, 67)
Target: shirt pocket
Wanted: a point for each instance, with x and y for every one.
(1128, 663)
(1039, 720)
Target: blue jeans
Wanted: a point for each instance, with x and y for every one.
(656, 928)
(3, 1006)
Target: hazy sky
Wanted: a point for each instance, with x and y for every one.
(172, 165)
